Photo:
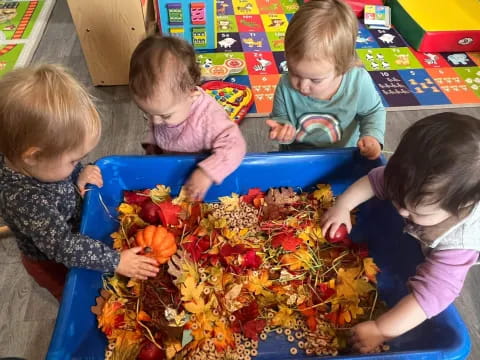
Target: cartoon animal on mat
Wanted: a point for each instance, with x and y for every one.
(431, 59)
(223, 24)
(364, 40)
(402, 59)
(222, 8)
(457, 59)
(283, 66)
(262, 64)
(246, 8)
(387, 38)
(276, 23)
(208, 63)
(252, 43)
(227, 42)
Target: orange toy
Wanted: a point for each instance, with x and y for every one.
(158, 242)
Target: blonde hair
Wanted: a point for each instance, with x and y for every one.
(163, 60)
(326, 30)
(46, 107)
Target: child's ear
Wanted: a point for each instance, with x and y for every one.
(31, 155)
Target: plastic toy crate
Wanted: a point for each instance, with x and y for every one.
(76, 335)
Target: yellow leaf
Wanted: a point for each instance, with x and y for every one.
(371, 269)
(199, 306)
(285, 317)
(126, 209)
(346, 281)
(172, 347)
(258, 281)
(191, 290)
(324, 194)
(349, 285)
(160, 193)
(181, 198)
(230, 203)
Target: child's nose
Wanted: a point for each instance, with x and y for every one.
(403, 212)
(304, 86)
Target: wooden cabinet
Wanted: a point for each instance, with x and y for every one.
(109, 31)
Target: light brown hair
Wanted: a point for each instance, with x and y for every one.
(46, 107)
(326, 30)
(163, 61)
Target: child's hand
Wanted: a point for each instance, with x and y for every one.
(366, 336)
(198, 184)
(369, 147)
(281, 132)
(333, 218)
(136, 266)
(90, 174)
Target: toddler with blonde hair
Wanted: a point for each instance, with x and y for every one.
(326, 99)
(49, 124)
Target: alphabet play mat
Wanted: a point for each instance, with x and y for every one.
(21, 28)
(254, 31)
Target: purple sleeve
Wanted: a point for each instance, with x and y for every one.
(377, 182)
(227, 145)
(439, 279)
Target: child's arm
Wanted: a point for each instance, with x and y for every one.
(438, 281)
(371, 114)
(404, 316)
(51, 234)
(228, 148)
(339, 214)
(281, 128)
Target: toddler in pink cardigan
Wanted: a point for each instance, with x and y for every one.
(182, 118)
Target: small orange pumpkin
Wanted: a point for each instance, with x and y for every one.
(158, 242)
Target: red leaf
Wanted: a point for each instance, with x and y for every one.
(252, 328)
(249, 312)
(253, 194)
(286, 240)
(251, 260)
(136, 197)
(169, 213)
(196, 247)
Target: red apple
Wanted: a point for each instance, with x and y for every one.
(150, 351)
(150, 212)
(340, 235)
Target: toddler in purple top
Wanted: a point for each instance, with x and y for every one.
(433, 180)
(182, 118)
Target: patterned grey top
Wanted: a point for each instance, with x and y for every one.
(45, 218)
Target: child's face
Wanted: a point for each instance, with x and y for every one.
(314, 78)
(424, 215)
(166, 108)
(59, 167)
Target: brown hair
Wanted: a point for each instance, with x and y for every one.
(437, 161)
(162, 59)
(323, 29)
(44, 106)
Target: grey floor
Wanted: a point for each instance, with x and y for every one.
(27, 312)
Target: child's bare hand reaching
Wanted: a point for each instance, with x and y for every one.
(198, 184)
(136, 266)
(366, 337)
(369, 147)
(90, 174)
(333, 218)
(281, 132)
